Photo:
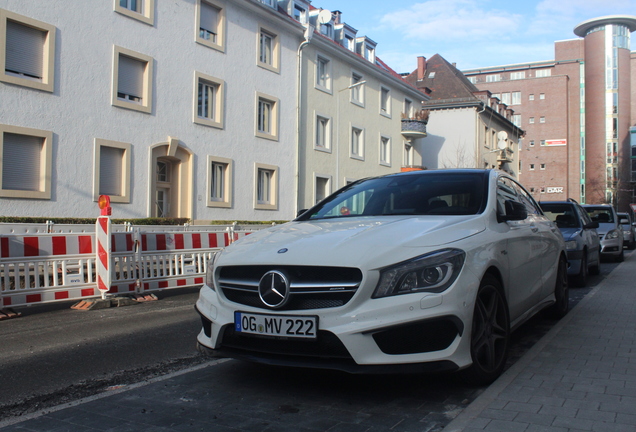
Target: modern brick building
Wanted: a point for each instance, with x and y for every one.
(577, 111)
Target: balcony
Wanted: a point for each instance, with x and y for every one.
(415, 127)
(505, 156)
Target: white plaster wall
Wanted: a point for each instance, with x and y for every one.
(452, 139)
(79, 110)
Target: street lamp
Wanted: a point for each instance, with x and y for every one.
(359, 83)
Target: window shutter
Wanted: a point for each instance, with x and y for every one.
(131, 76)
(25, 50)
(209, 18)
(110, 170)
(21, 162)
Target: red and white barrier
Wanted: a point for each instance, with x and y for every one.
(46, 268)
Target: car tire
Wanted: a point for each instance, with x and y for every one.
(561, 292)
(490, 335)
(580, 280)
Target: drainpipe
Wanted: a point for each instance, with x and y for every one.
(309, 32)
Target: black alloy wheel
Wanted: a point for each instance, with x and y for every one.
(490, 337)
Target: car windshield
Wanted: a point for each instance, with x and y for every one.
(564, 215)
(423, 193)
(601, 214)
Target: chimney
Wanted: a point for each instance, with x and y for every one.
(337, 17)
(421, 67)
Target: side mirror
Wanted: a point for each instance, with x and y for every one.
(591, 225)
(514, 211)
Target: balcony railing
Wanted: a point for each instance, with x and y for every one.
(413, 128)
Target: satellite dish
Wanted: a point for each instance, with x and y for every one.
(501, 143)
(324, 16)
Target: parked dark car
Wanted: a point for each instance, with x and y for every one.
(581, 239)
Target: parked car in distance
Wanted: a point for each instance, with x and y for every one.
(609, 231)
(629, 234)
(581, 239)
(417, 271)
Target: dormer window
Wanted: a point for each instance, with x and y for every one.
(369, 53)
(270, 3)
(350, 43)
(300, 14)
(326, 30)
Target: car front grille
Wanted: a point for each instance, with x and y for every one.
(311, 287)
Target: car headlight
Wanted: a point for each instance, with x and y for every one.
(612, 234)
(570, 245)
(209, 272)
(433, 272)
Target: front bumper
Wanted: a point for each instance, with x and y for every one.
(575, 258)
(405, 333)
(611, 247)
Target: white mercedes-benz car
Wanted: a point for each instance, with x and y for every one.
(419, 271)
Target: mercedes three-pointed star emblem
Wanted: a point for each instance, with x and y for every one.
(273, 289)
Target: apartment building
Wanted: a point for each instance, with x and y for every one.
(194, 109)
(469, 128)
(577, 111)
(352, 105)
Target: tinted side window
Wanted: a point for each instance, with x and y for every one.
(524, 197)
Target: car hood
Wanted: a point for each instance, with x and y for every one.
(357, 242)
(604, 228)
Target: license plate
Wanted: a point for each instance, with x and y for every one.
(293, 326)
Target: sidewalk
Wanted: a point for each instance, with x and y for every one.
(581, 376)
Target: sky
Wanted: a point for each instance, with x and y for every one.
(471, 33)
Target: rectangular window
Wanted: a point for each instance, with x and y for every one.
(408, 108)
(133, 77)
(541, 119)
(211, 24)
(28, 51)
(208, 100)
(357, 143)
(531, 143)
(300, 14)
(323, 73)
(266, 189)
(531, 120)
(517, 75)
(351, 43)
(516, 98)
(357, 90)
(112, 170)
(219, 182)
(385, 101)
(266, 117)
(322, 188)
(531, 167)
(506, 99)
(542, 143)
(472, 79)
(540, 73)
(323, 133)
(516, 120)
(542, 166)
(141, 10)
(385, 151)
(26, 162)
(541, 96)
(493, 78)
(268, 50)
(531, 97)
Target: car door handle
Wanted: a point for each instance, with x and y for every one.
(534, 228)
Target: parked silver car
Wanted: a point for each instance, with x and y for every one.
(609, 231)
(629, 233)
(580, 235)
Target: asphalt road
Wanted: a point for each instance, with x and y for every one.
(53, 354)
